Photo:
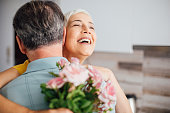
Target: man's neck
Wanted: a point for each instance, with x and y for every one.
(45, 52)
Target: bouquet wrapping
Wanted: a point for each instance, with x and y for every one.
(80, 89)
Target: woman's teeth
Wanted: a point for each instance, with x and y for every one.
(84, 41)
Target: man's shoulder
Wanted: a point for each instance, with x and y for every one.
(44, 65)
(34, 77)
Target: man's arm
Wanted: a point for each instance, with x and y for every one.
(7, 106)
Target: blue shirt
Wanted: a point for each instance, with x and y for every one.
(25, 90)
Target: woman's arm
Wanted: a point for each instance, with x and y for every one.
(12, 73)
(122, 104)
(7, 106)
(8, 75)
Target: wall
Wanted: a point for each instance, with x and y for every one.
(119, 24)
(123, 23)
(144, 73)
(8, 9)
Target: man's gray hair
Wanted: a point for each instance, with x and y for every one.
(39, 23)
(73, 12)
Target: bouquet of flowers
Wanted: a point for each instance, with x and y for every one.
(80, 89)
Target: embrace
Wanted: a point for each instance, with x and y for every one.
(46, 36)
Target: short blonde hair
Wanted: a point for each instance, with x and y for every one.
(73, 12)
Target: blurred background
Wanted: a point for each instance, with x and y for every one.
(133, 41)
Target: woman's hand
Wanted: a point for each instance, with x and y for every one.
(12, 73)
(21, 68)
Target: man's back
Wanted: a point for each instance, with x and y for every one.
(25, 90)
(39, 27)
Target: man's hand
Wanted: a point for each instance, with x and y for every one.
(60, 110)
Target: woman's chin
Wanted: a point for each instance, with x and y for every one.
(86, 50)
(86, 53)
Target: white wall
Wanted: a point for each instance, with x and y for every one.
(122, 23)
(119, 24)
(7, 11)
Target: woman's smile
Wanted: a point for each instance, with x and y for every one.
(80, 36)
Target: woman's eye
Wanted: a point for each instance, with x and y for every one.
(76, 25)
(92, 28)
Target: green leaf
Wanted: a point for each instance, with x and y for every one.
(69, 96)
(54, 100)
(69, 103)
(80, 86)
(86, 104)
(75, 107)
(89, 109)
(77, 99)
(65, 90)
(43, 85)
(49, 94)
(110, 109)
(51, 105)
(78, 92)
(58, 65)
(93, 90)
(62, 103)
(52, 73)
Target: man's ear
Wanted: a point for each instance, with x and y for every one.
(64, 35)
(21, 45)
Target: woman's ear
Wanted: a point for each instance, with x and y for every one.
(21, 45)
(64, 35)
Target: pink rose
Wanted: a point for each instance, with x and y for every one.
(96, 76)
(75, 74)
(75, 60)
(110, 104)
(63, 63)
(54, 83)
(103, 96)
(110, 91)
(107, 95)
(106, 89)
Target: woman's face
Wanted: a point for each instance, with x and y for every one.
(80, 35)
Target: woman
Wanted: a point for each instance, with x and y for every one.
(80, 42)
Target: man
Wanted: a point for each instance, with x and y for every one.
(40, 30)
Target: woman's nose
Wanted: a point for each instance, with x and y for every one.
(86, 30)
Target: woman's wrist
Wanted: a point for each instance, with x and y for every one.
(21, 68)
